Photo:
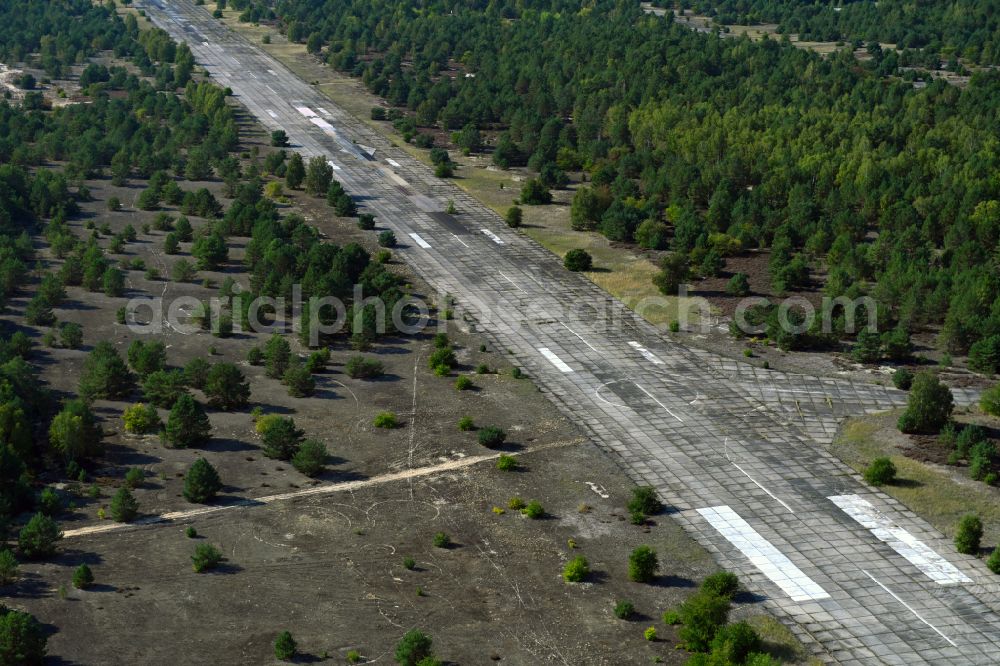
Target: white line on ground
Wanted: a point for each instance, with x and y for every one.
(272, 114)
(916, 552)
(756, 483)
(252, 75)
(649, 356)
(306, 111)
(555, 360)
(909, 608)
(272, 72)
(493, 237)
(392, 162)
(660, 404)
(326, 489)
(577, 335)
(332, 165)
(460, 240)
(511, 281)
(762, 554)
(271, 89)
(420, 241)
(322, 110)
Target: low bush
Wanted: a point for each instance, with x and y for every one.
(206, 557)
(576, 570)
(491, 436)
(880, 472)
(385, 420)
(442, 540)
(506, 463)
(533, 510)
(359, 367)
(624, 610)
(969, 534)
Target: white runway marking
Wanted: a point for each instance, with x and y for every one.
(322, 124)
(667, 409)
(420, 241)
(306, 111)
(555, 360)
(322, 110)
(493, 237)
(460, 240)
(650, 356)
(916, 552)
(763, 555)
(332, 165)
(578, 335)
(271, 89)
(392, 162)
(272, 114)
(511, 281)
(909, 608)
(272, 72)
(252, 75)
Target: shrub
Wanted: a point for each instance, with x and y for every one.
(491, 437)
(738, 285)
(989, 401)
(83, 577)
(722, 584)
(164, 387)
(413, 648)
(190, 532)
(226, 388)
(576, 570)
(278, 354)
(141, 419)
(969, 534)
(645, 501)
(981, 459)
(649, 634)
(733, 643)
(984, 355)
(409, 563)
(284, 646)
(206, 557)
(902, 379)
(624, 610)
(201, 483)
(514, 217)
(71, 335)
(255, 356)
(533, 510)
(515, 503)
(317, 361)
(196, 373)
(442, 357)
(49, 502)
(280, 437)
(387, 239)
(359, 367)
(642, 564)
(671, 617)
(928, 407)
(366, 221)
(992, 563)
(385, 420)
(134, 477)
(465, 424)
(353, 657)
(311, 457)
(105, 374)
(880, 472)
(506, 463)
(578, 260)
(124, 507)
(702, 615)
(442, 540)
(463, 383)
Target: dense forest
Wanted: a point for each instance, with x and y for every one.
(969, 29)
(705, 144)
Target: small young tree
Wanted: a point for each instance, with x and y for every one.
(196, 373)
(281, 439)
(577, 260)
(880, 472)
(491, 437)
(188, 425)
(702, 615)
(164, 387)
(738, 285)
(295, 171)
(284, 646)
(83, 577)
(969, 534)
(989, 401)
(299, 381)
(201, 483)
(643, 564)
(22, 638)
(74, 432)
(928, 407)
(8, 567)
(514, 217)
(226, 387)
(722, 583)
(414, 647)
(105, 374)
(576, 570)
(277, 356)
(311, 457)
(124, 507)
(37, 539)
(206, 557)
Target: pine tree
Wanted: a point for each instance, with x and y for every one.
(188, 423)
(202, 482)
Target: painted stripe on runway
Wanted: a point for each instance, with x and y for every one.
(492, 236)
(420, 241)
(762, 554)
(650, 356)
(272, 114)
(909, 608)
(272, 72)
(392, 162)
(322, 124)
(306, 111)
(461, 241)
(913, 550)
(332, 165)
(555, 360)
(322, 110)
